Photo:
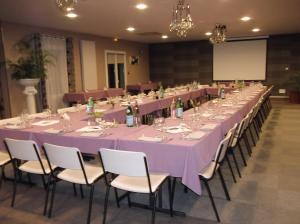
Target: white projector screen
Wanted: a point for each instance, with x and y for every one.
(240, 60)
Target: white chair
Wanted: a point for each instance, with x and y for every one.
(133, 176)
(215, 166)
(4, 160)
(74, 171)
(26, 150)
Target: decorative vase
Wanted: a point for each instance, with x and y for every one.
(30, 91)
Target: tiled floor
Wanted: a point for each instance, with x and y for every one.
(269, 191)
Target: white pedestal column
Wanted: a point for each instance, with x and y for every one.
(30, 92)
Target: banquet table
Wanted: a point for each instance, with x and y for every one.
(176, 155)
(142, 87)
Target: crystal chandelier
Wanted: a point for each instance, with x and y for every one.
(66, 5)
(181, 19)
(218, 35)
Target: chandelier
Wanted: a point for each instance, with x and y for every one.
(66, 5)
(218, 35)
(181, 20)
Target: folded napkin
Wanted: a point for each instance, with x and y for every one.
(177, 129)
(229, 112)
(39, 115)
(14, 126)
(90, 129)
(66, 110)
(150, 139)
(219, 117)
(91, 134)
(46, 122)
(235, 91)
(124, 104)
(206, 115)
(208, 127)
(226, 105)
(195, 135)
(53, 131)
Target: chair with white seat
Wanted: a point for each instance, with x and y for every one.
(133, 176)
(214, 166)
(26, 157)
(75, 171)
(4, 160)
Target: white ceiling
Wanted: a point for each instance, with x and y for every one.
(110, 17)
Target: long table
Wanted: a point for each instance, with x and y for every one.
(176, 155)
(82, 97)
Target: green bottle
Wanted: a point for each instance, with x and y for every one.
(129, 116)
(90, 106)
(161, 92)
(179, 108)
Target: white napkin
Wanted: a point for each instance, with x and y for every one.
(65, 110)
(177, 129)
(46, 122)
(90, 129)
(14, 126)
(150, 139)
(53, 131)
(219, 117)
(229, 112)
(206, 114)
(226, 105)
(235, 91)
(91, 134)
(102, 103)
(195, 135)
(208, 127)
(39, 115)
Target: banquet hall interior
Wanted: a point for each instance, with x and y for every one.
(146, 111)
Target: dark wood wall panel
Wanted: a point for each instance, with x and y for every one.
(176, 63)
(181, 62)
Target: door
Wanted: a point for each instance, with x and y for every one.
(115, 69)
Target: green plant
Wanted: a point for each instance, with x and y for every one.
(30, 65)
(294, 83)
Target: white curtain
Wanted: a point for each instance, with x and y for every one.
(57, 75)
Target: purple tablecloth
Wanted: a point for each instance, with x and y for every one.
(177, 156)
(82, 97)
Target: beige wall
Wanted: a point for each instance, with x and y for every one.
(12, 33)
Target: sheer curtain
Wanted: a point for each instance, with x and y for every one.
(57, 75)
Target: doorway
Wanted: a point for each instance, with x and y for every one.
(115, 69)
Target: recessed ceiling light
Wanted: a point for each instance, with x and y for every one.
(246, 18)
(164, 36)
(255, 30)
(71, 15)
(141, 6)
(130, 29)
(208, 33)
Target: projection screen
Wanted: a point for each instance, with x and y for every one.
(240, 60)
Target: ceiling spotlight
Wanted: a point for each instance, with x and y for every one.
(71, 15)
(141, 6)
(164, 36)
(255, 30)
(208, 33)
(246, 18)
(130, 29)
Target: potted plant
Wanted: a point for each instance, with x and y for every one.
(294, 89)
(28, 69)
